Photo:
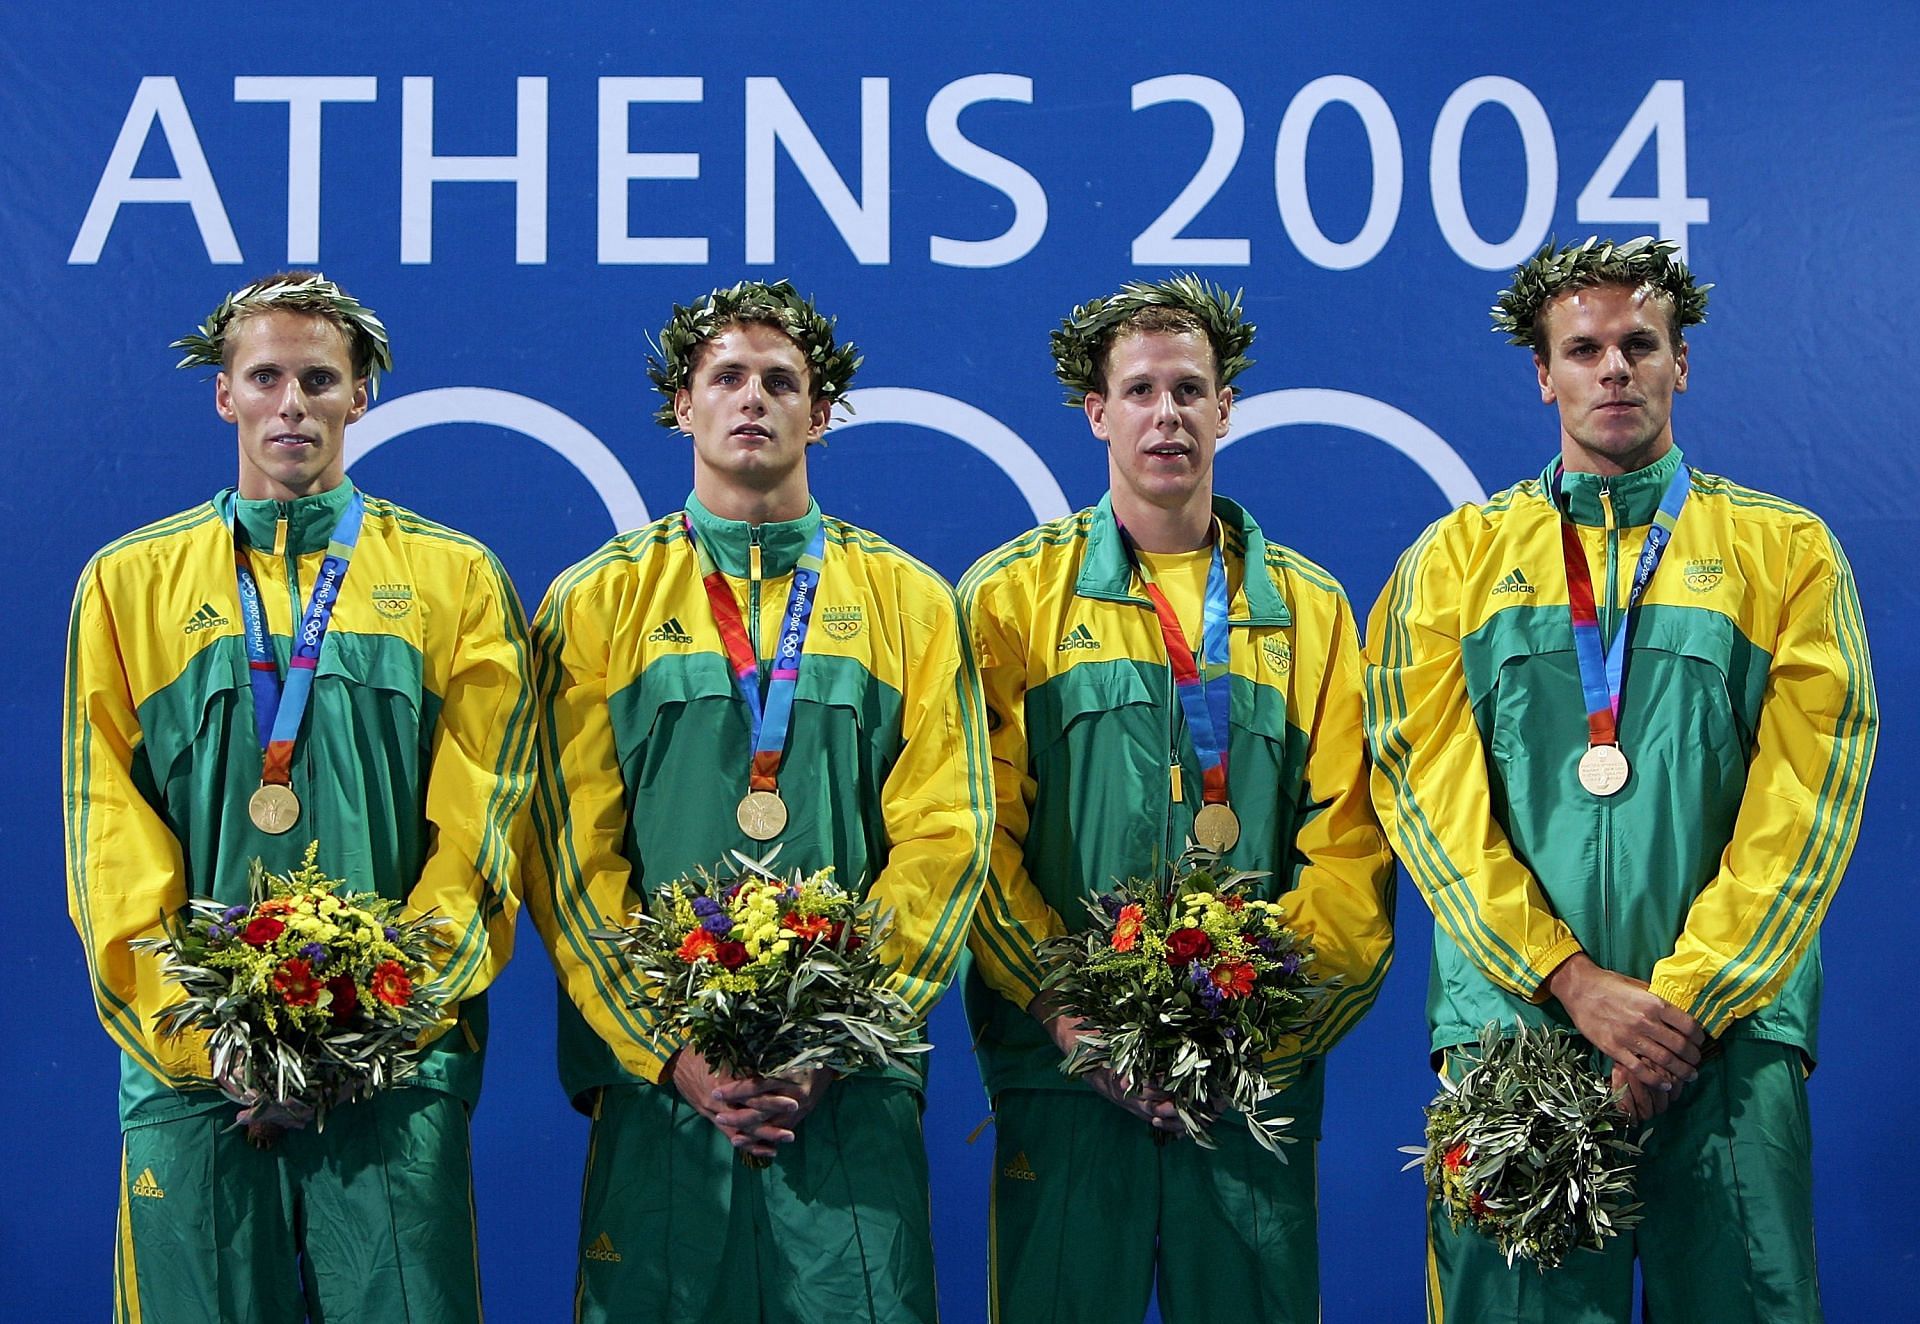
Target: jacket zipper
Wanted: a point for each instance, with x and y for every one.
(1176, 794)
(1606, 803)
(753, 601)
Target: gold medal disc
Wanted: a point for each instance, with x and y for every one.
(1216, 827)
(1603, 769)
(762, 815)
(274, 808)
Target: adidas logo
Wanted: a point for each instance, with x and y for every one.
(602, 1249)
(1078, 637)
(145, 1185)
(668, 632)
(205, 618)
(1020, 1169)
(1515, 582)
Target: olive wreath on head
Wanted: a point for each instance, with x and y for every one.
(299, 293)
(831, 366)
(1642, 263)
(1083, 339)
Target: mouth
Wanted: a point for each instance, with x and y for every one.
(1168, 450)
(1617, 407)
(752, 431)
(291, 440)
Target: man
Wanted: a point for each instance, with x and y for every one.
(1099, 777)
(1629, 819)
(410, 755)
(656, 766)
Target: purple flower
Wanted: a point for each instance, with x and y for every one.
(704, 906)
(315, 953)
(717, 924)
(1290, 963)
(234, 913)
(220, 932)
(1111, 904)
(1265, 944)
(1202, 980)
(393, 934)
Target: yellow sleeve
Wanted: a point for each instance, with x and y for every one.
(1430, 782)
(1012, 918)
(479, 775)
(1342, 899)
(125, 870)
(1800, 812)
(579, 879)
(937, 806)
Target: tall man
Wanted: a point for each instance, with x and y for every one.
(1623, 718)
(656, 764)
(411, 753)
(1099, 777)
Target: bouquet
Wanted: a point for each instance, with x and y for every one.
(768, 975)
(1530, 1148)
(1187, 984)
(310, 997)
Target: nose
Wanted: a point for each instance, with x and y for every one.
(293, 399)
(1613, 365)
(1165, 415)
(755, 402)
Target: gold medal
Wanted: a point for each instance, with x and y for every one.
(1216, 827)
(1603, 769)
(274, 808)
(762, 815)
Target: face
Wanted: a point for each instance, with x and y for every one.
(750, 411)
(1161, 416)
(292, 392)
(1612, 369)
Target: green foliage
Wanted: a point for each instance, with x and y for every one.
(206, 348)
(1189, 985)
(1530, 1148)
(1643, 263)
(830, 366)
(1082, 340)
(806, 989)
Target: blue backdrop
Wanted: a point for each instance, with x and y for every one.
(521, 191)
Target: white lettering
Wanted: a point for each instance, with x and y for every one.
(1290, 172)
(420, 170)
(304, 97)
(1162, 243)
(772, 119)
(156, 99)
(1022, 189)
(618, 166)
(1542, 180)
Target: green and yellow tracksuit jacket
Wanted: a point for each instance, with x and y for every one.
(1748, 715)
(646, 747)
(412, 766)
(1086, 731)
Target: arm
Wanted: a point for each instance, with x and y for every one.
(1800, 813)
(1430, 780)
(579, 879)
(1342, 899)
(937, 806)
(479, 774)
(1013, 918)
(125, 870)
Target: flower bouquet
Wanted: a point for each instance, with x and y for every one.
(309, 997)
(1187, 984)
(1529, 1147)
(768, 975)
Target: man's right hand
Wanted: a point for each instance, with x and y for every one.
(755, 1115)
(1150, 1105)
(1655, 1046)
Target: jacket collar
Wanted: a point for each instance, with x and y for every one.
(728, 540)
(1635, 496)
(311, 520)
(1106, 571)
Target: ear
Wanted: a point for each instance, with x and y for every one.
(1096, 406)
(1546, 382)
(361, 399)
(223, 397)
(683, 410)
(1226, 412)
(1680, 369)
(820, 413)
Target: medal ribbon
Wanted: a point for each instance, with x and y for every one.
(1602, 673)
(769, 722)
(1204, 686)
(278, 712)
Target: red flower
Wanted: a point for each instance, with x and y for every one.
(1476, 1204)
(731, 955)
(346, 999)
(1455, 1157)
(1235, 902)
(261, 930)
(391, 984)
(278, 905)
(1234, 979)
(811, 927)
(1185, 946)
(1126, 928)
(833, 936)
(295, 983)
(698, 945)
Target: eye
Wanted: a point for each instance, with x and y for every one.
(261, 377)
(726, 377)
(1139, 388)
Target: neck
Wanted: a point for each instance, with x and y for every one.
(256, 486)
(787, 500)
(1184, 528)
(1578, 459)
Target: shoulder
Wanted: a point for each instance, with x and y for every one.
(888, 573)
(1302, 582)
(150, 550)
(621, 560)
(1031, 556)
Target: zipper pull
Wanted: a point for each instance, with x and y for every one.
(753, 558)
(280, 532)
(1173, 777)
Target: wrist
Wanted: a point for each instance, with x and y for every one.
(1569, 976)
